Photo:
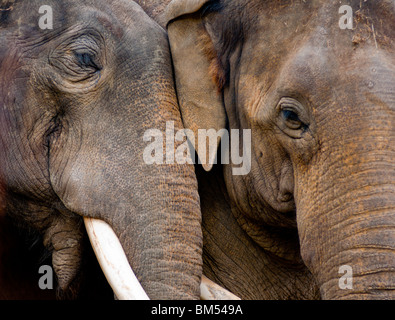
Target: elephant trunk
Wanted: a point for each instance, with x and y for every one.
(350, 246)
(346, 218)
(164, 245)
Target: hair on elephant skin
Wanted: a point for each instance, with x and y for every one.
(319, 99)
(78, 89)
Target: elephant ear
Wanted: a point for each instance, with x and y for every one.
(198, 74)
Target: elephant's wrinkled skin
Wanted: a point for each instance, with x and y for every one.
(75, 102)
(320, 101)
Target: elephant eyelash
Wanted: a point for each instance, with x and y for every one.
(86, 60)
(290, 115)
(293, 120)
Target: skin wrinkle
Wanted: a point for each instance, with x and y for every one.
(208, 234)
(355, 273)
(325, 199)
(250, 285)
(269, 276)
(213, 236)
(240, 267)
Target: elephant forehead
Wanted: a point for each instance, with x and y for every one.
(303, 56)
(280, 27)
(30, 19)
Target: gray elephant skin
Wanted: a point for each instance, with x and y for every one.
(320, 103)
(75, 101)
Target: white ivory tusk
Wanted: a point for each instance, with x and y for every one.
(119, 274)
(209, 290)
(113, 261)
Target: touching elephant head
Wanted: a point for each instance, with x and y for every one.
(320, 102)
(80, 83)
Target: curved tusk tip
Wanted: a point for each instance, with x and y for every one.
(113, 261)
(209, 290)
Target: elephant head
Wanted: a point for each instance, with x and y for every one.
(80, 83)
(319, 100)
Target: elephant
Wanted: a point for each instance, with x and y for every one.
(314, 83)
(80, 83)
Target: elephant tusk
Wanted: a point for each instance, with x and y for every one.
(119, 274)
(113, 261)
(209, 290)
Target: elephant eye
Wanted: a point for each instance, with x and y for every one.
(79, 60)
(86, 60)
(292, 119)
